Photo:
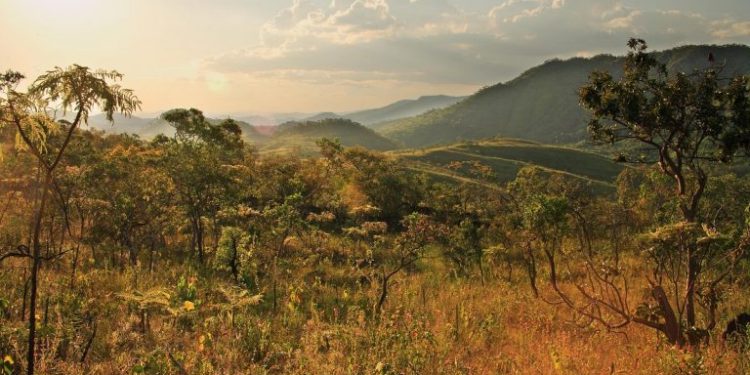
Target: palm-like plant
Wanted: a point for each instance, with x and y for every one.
(75, 89)
(149, 301)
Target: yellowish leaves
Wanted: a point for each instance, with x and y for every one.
(36, 128)
(156, 298)
(188, 306)
(238, 297)
(8, 360)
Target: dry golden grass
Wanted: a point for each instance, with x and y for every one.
(431, 325)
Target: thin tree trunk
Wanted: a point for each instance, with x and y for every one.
(36, 263)
(76, 254)
(693, 272)
(383, 292)
(25, 295)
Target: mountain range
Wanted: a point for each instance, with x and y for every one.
(398, 110)
(256, 127)
(542, 103)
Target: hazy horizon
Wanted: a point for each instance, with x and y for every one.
(309, 56)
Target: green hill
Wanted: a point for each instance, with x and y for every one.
(301, 137)
(505, 157)
(542, 103)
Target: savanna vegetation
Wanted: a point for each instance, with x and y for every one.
(193, 253)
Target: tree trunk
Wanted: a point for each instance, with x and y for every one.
(36, 262)
(383, 293)
(531, 269)
(693, 272)
(76, 254)
(671, 327)
(201, 252)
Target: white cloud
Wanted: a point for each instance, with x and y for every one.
(726, 29)
(624, 22)
(440, 42)
(340, 22)
(512, 11)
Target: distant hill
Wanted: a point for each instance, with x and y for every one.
(271, 119)
(323, 116)
(301, 137)
(507, 156)
(542, 103)
(401, 109)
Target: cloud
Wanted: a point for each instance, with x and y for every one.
(442, 42)
(727, 29)
(512, 11)
(672, 25)
(623, 22)
(341, 22)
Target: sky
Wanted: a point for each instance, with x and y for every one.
(266, 56)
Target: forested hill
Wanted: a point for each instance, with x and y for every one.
(542, 103)
(301, 137)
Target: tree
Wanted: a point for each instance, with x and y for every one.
(407, 248)
(199, 160)
(542, 209)
(395, 191)
(689, 122)
(137, 195)
(76, 89)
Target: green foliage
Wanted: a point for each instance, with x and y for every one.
(679, 112)
(393, 191)
(543, 212)
(234, 251)
(191, 126)
(186, 291)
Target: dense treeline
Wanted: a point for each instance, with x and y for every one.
(192, 253)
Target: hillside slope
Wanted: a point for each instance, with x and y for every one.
(505, 157)
(402, 109)
(542, 103)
